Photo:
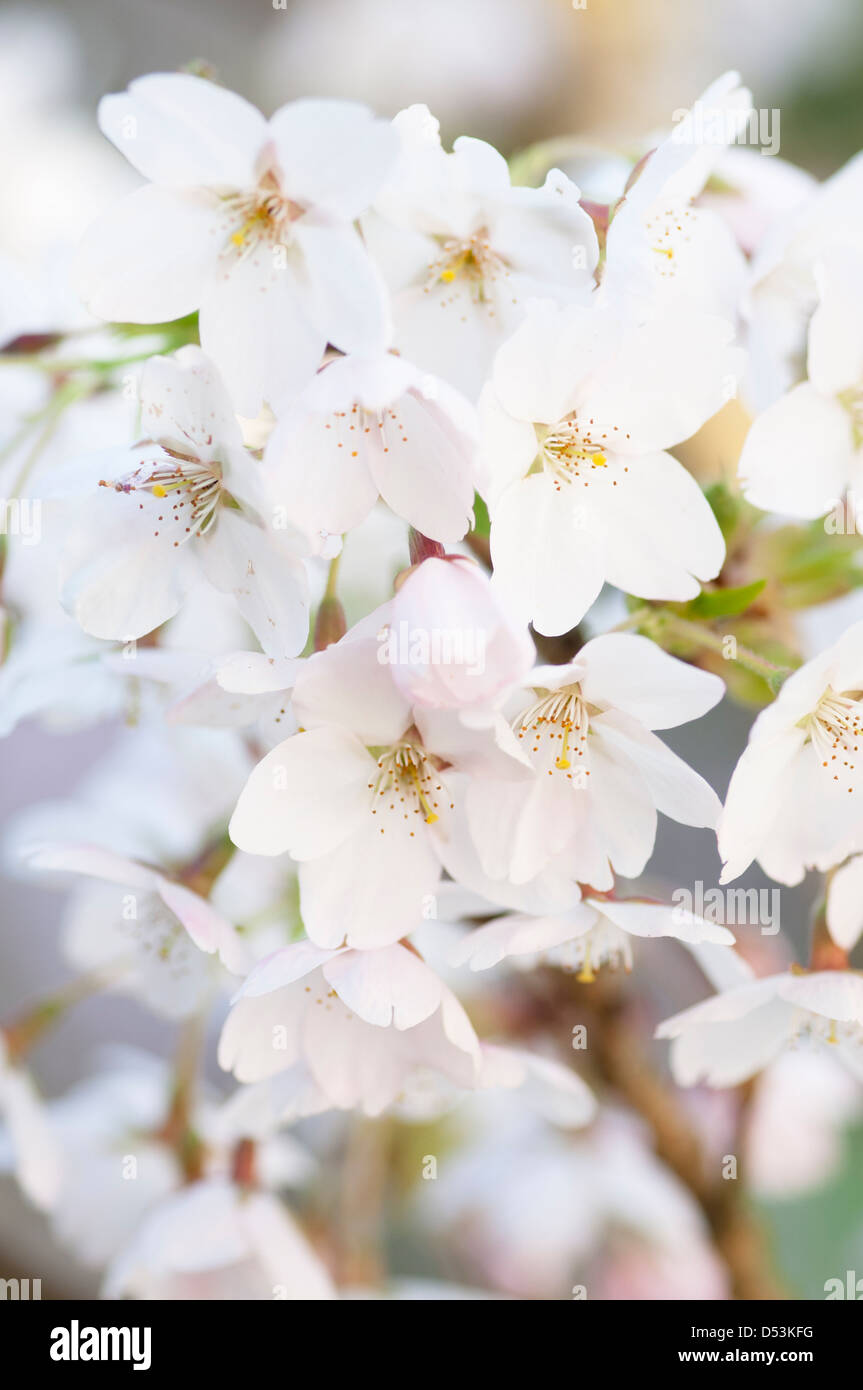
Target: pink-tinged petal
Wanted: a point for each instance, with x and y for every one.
(423, 462)
(93, 861)
(351, 683)
(283, 968)
(517, 935)
(210, 931)
(341, 892)
(390, 987)
(318, 471)
(149, 257)
(332, 155)
(261, 1036)
(182, 130)
(452, 643)
(306, 796)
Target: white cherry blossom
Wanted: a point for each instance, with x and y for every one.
(803, 453)
(582, 406)
(599, 773)
(184, 504)
(463, 250)
(732, 1036)
(247, 220)
(593, 933)
(795, 800)
(374, 426)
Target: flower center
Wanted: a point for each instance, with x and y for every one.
(264, 215)
(668, 228)
(473, 261)
(570, 450)
(604, 944)
(834, 728)
(178, 489)
(557, 726)
(407, 785)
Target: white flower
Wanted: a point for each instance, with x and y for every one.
(353, 1027)
(582, 406)
(732, 1036)
(369, 426)
(794, 801)
(247, 220)
(596, 932)
(362, 796)
(462, 250)
(217, 1241)
(599, 774)
(661, 246)
(35, 1153)
(804, 451)
(783, 292)
(450, 643)
(190, 503)
(158, 905)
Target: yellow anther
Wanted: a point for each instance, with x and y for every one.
(663, 251)
(599, 460)
(159, 491)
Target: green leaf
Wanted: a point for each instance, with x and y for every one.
(481, 525)
(724, 603)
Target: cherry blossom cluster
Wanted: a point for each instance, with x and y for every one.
(374, 531)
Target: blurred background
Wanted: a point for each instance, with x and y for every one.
(514, 72)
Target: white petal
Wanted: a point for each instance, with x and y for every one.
(677, 790)
(548, 565)
(184, 403)
(350, 683)
(268, 583)
(178, 129)
(391, 987)
(371, 889)
(333, 155)
(343, 294)
(845, 904)
(254, 323)
(147, 259)
(661, 530)
(636, 676)
(657, 919)
(798, 455)
(307, 796)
